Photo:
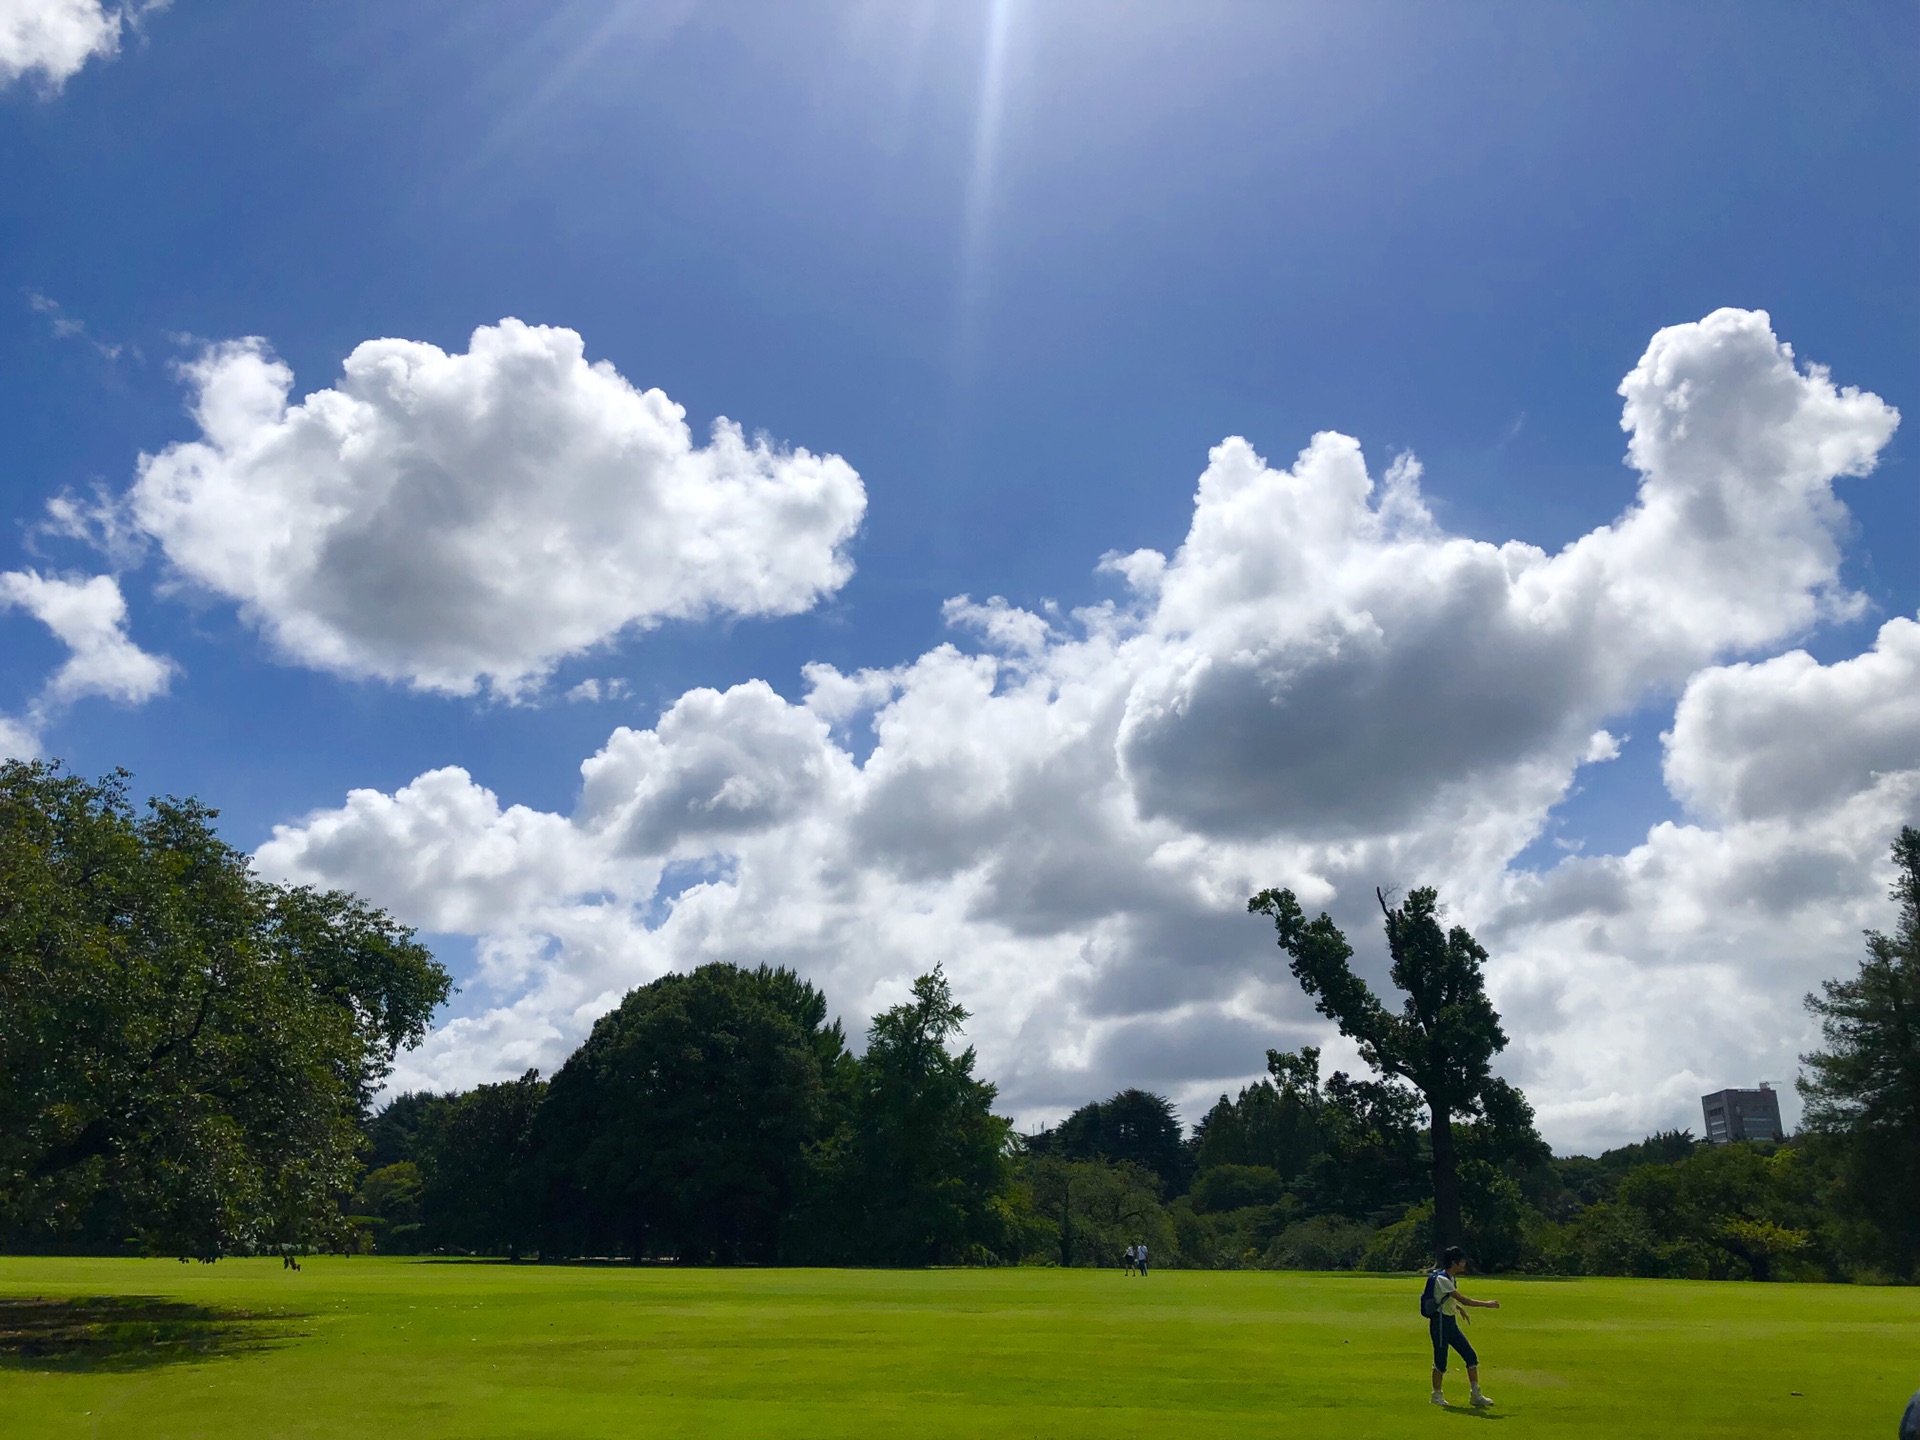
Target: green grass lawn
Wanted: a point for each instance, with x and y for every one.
(420, 1349)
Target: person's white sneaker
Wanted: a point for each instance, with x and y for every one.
(1480, 1401)
(1438, 1398)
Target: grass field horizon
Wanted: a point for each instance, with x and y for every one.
(425, 1348)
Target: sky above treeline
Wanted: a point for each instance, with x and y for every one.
(866, 486)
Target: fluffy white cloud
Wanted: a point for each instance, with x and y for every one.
(17, 741)
(55, 37)
(1642, 980)
(1320, 688)
(1357, 666)
(451, 519)
(1790, 736)
(1684, 961)
(90, 617)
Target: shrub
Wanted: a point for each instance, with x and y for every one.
(1325, 1242)
(1407, 1244)
(1235, 1187)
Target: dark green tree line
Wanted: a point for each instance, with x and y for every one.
(714, 1117)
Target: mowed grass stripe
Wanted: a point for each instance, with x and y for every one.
(424, 1349)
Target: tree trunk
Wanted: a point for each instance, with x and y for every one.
(1448, 1228)
(1066, 1229)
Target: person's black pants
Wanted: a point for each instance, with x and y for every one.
(1446, 1332)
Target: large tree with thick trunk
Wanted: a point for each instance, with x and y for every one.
(1442, 1041)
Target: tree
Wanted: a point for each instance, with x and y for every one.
(388, 1206)
(1235, 1187)
(1443, 1039)
(355, 957)
(478, 1191)
(185, 1050)
(397, 1131)
(1372, 1168)
(1280, 1123)
(1096, 1208)
(687, 1123)
(1135, 1126)
(1725, 1212)
(927, 1178)
(1864, 1088)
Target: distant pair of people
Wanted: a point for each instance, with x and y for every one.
(1135, 1259)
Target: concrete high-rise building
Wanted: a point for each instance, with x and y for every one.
(1743, 1115)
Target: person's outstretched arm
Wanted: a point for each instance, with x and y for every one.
(1477, 1304)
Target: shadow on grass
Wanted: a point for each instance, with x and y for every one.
(128, 1332)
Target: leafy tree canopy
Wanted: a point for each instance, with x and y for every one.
(397, 1131)
(479, 1192)
(185, 1049)
(1281, 1124)
(687, 1122)
(1134, 1126)
(1091, 1210)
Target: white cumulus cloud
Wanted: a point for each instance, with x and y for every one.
(89, 616)
(17, 741)
(1320, 688)
(55, 37)
(1685, 960)
(448, 520)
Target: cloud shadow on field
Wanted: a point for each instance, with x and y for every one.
(128, 1332)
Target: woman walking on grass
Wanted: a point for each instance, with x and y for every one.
(1441, 1304)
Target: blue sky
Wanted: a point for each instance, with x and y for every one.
(1020, 265)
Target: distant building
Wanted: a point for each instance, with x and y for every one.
(1743, 1115)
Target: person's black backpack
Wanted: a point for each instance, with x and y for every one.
(1429, 1307)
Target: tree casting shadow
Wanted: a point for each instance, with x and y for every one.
(127, 1332)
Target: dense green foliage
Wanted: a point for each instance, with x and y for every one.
(1442, 1041)
(1088, 1211)
(714, 1117)
(687, 1122)
(1136, 1127)
(1863, 1091)
(1666, 1207)
(922, 1163)
(185, 1051)
(907, 1165)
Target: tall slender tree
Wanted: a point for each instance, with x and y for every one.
(927, 1162)
(1444, 1038)
(1864, 1088)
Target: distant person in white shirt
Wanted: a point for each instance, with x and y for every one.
(1140, 1257)
(1443, 1287)
(1126, 1257)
